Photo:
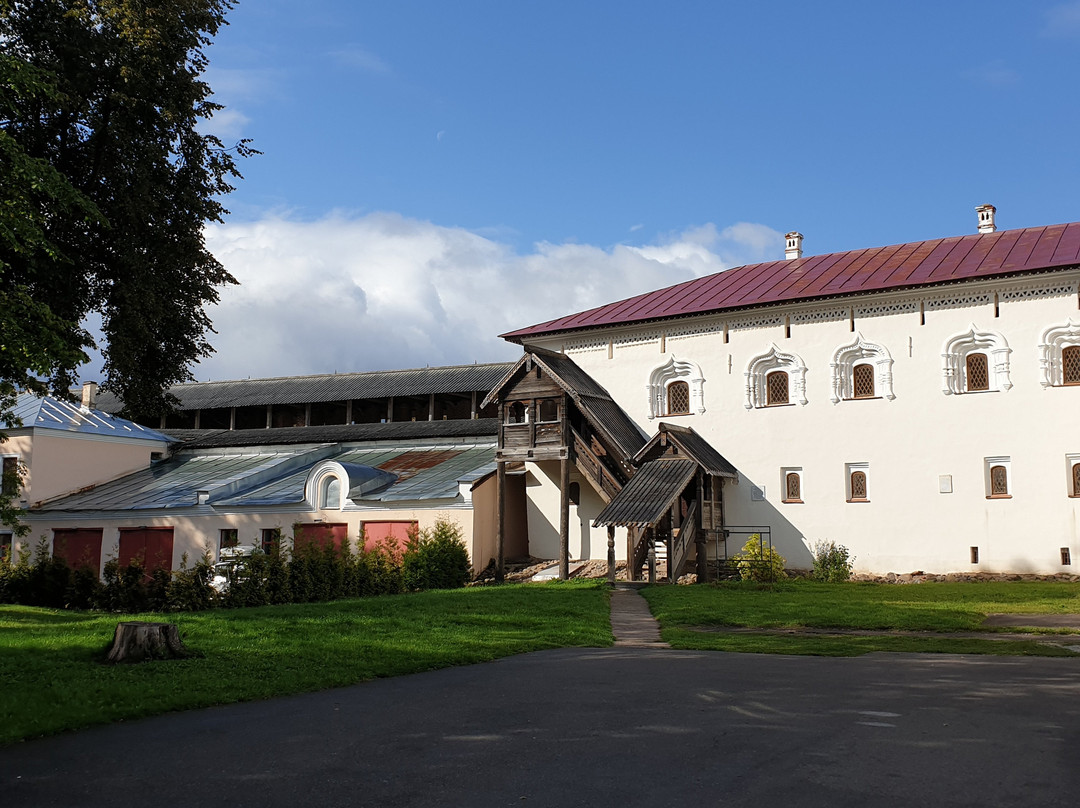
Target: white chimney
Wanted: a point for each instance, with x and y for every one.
(986, 218)
(89, 395)
(794, 245)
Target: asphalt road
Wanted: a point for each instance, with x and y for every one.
(601, 727)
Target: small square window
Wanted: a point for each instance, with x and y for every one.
(791, 484)
(1072, 465)
(977, 372)
(776, 388)
(998, 478)
(974, 555)
(271, 539)
(228, 537)
(862, 381)
(1066, 557)
(858, 482)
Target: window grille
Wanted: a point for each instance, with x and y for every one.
(1070, 365)
(978, 372)
(1066, 557)
(776, 388)
(999, 481)
(678, 398)
(1076, 480)
(858, 485)
(793, 487)
(862, 381)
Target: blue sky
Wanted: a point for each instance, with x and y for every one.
(436, 173)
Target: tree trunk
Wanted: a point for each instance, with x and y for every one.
(137, 641)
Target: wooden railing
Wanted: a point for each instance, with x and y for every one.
(681, 544)
(605, 483)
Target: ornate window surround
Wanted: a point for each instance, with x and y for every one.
(318, 482)
(675, 370)
(1054, 340)
(774, 359)
(858, 353)
(954, 357)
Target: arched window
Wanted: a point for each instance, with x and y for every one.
(862, 381)
(977, 361)
(1076, 480)
(775, 378)
(330, 492)
(1070, 365)
(858, 486)
(861, 370)
(676, 388)
(549, 410)
(776, 388)
(678, 398)
(1059, 355)
(792, 487)
(516, 413)
(976, 372)
(999, 481)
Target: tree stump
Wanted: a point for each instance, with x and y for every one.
(136, 641)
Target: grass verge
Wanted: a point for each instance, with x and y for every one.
(928, 607)
(50, 661)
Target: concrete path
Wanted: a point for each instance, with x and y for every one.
(631, 621)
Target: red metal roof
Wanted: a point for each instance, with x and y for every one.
(874, 269)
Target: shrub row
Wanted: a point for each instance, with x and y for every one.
(433, 559)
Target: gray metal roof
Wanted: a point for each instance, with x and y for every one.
(337, 433)
(49, 412)
(649, 494)
(276, 476)
(693, 446)
(329, 387)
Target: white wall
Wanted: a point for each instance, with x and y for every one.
(908, 442)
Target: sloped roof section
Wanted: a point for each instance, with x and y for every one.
(593, 400)
(692, 445)
(649, 494)
(876, 269)
(49, 412)
(336, 433)
(266, 475)
(329, 387)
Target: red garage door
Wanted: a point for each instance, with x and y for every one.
(320, 534)
(78, 547)
(153, 546)
(394, 534)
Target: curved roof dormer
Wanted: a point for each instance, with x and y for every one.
(330, 484)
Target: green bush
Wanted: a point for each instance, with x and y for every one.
(436, 559)
(759, 561)
(190, 590)
(85, 589)
(832, 562)
(124, 589)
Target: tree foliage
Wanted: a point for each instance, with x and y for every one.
(106, 183)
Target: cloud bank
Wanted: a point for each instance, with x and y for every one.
(380, 291)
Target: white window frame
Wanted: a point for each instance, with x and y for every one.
(1071, 460)
(762, 365)
(861, 352)
(1055, 340)
(954, 355)
(1006, 463)
(675, 370)
(851, 468)
(784, 472)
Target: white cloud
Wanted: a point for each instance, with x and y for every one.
(1063, 20)
(362, 58)
(349, 293)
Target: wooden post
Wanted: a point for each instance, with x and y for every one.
(564, 518)
(650, 537)
(611, 554)
(500, 519)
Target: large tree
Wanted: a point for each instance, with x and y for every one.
(106, 184)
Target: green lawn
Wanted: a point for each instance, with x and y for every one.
(926, 607)
(53, 679)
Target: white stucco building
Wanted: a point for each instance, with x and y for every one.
(916, 403)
